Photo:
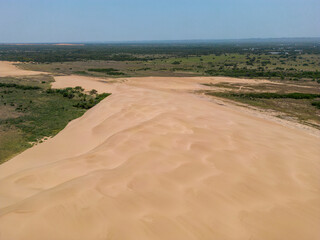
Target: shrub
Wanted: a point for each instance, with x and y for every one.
(93, 91)
(78, 88)
(268, 95)
(109, 71)
(316, 104)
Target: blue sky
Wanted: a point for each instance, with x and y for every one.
(135, 20)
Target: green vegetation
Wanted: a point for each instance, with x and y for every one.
(84, 101)
(232, 65)
(281, 67)
(283, 59)
(316, 104)
(261, 73)
(14, 85)
(109, 71)
(271, 95)
(30, 111)
(43, 53)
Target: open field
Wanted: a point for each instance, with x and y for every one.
(278, 59)
(128, 69)
(156, 161)
(295, 68)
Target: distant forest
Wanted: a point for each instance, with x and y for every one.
(48, 53)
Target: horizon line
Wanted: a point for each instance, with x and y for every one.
(152, 41)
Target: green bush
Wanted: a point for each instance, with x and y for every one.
(316, 104)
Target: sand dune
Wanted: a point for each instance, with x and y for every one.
(153, 161)
(9, 69)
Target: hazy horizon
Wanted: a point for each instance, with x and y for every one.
(83, 21)
(222, 40)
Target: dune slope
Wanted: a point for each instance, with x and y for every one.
(155, 162)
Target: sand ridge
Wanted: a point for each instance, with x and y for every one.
(153, 161)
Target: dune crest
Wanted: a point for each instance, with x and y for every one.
(155, 162)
